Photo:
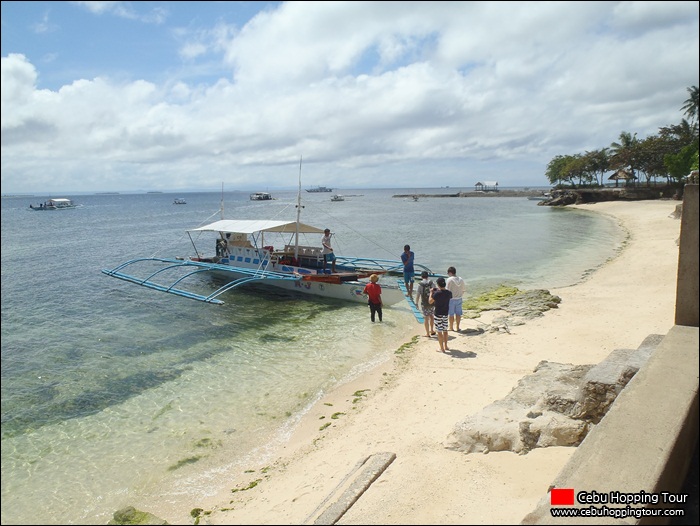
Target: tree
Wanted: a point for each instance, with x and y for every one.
(625, 154)
(679, 165)
(690, 107)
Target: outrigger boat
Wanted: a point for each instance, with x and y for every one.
(54, 204)
(245, 256)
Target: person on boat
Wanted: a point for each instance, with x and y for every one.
(373, 291)
(328, 254)
(440, 297)
(423, 303)
(408, 271)
(221, 247)
(457, 287)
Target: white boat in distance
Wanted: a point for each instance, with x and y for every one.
(179, 201)
(61, 203)
(338, 197)
(319, 189)
(261, 196)
(254, 253)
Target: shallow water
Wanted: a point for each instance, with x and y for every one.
(112, 392)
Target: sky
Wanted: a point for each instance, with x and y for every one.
(178, 96)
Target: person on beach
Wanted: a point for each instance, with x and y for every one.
(328, 254)
(440, 297)
(408, 271)
(423, 303)
(457, 287)
(373, 291)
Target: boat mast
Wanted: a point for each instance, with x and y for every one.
(299, 207)
(222, 199)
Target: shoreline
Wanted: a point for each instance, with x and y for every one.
(409, 404)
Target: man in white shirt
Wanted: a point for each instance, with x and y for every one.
(457, 287)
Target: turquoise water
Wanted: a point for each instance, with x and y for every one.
(112, 393)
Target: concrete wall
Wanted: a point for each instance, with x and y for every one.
(687, 284)
(647, 439)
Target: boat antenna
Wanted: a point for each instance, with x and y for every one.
(299, 207)
(222, 199)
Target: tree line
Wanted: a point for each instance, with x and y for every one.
(669, 155)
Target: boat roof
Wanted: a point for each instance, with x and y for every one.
(250, 226)
(60, 200)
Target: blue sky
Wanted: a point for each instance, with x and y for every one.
(176, 96)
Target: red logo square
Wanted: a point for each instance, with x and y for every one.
(561, 497)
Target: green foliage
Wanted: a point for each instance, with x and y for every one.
(665, 155)
(681, 164)
(249, 486)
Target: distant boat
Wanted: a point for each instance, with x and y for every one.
(179, 201)
(54, 204)
(544, 197)
(338, 197)
(319, 189)
(260, 196)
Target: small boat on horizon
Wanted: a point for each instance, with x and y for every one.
(337, 197)
(60, 203)
(319, 189)
(261, 196)
(179, 201)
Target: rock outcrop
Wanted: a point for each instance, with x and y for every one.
(555, 406)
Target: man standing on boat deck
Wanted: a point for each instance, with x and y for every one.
(328, 254)
(408, 271)
(457, 287)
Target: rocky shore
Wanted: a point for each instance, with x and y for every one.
(572, 196)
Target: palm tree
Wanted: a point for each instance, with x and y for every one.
(625, 154)
(691, 105)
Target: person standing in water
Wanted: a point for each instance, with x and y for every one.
(373, 291)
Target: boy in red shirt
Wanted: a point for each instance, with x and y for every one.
(373, 291)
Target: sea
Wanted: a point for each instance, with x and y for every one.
(115, 395)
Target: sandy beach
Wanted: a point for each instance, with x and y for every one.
(409, 405)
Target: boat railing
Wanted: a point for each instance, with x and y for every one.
(390, 266)
(192, 267)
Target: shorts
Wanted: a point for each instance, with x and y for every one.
(428, 311)
(408, 277)
(329, 257)
(455, 306)
(441, 323)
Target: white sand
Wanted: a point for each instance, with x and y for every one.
(412, 404)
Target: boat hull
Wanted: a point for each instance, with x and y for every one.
(346, 291)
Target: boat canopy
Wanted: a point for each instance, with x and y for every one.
(60, 201)
(249, 226)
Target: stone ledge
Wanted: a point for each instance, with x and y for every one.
(646, 440)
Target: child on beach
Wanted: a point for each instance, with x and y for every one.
(440, 297)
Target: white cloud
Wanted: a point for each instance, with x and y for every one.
(381, 94)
